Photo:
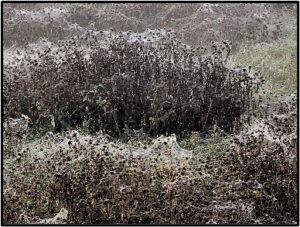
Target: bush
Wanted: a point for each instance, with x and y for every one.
(159, 86)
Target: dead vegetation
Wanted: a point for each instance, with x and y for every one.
(119, 92)
(148, 81)
(254, 182)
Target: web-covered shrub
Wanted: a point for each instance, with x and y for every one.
(113, 81)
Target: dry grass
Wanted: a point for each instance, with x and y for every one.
(99, 180)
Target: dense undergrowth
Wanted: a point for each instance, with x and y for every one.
(158, 85)
(253, 181)
(111, 95)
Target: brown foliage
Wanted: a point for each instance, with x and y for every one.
(99, 181)
(160, 85)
